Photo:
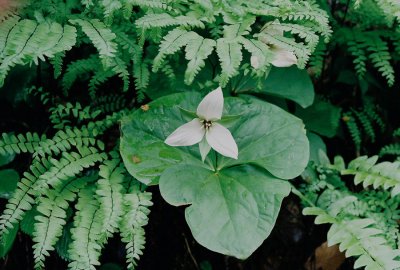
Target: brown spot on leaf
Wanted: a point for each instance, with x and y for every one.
(145, 107)
(136, 159)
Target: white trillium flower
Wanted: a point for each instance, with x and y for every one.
(282, 57)
(205, 130)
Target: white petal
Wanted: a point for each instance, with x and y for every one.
(210, 108)
(187, 134)
(283, 58)
(204, 149)
(255, 63)
(221, 140)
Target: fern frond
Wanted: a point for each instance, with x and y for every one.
(197, 50)
(316, 62)
(390, 149)
(354, 130)
(371, 111)
(152, 4)
(141, 73)
(304, 11)
(109, 103)
(29, 41)
(368, 172)
(119, 67)
(22, 199)
(127, 42)
(100, 35)
(63, 141)
(380, 57)
(164, 20)
(230, 57)
(110, 7)
(136, 204)
(358, 238)
(57, 62)
(45, 97)
(171, 43)
(51, 220)
(15, 144)
(396, 133)
(69, 165)
(99, 77)
(6, 27)
(258, 50)
(360, 58)
(366, 124)
(109, 191)
(61, 114)
(79, 68)
(86, 246)
(98, 127)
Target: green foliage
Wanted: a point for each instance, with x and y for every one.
(303, 23)
(9, 180)
(359, 239)
(15, 144)
(51, 220)
(393, 148)
(136, 210)
(67, 167)
(60, 114)
(368, 34)
(363, 124)
(317, 59)
(77, 192)
(109, 191)
(25, 41)
(367, 172)
(364, 224)
(85, 248)
(22, 198)
(321, 117)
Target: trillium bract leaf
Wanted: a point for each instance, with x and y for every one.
(232, 211)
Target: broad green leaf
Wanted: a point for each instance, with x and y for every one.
(7, 240)
(322, 118)
(8, 182)
(266, 136)
(232, 211)
(5, 159)
(143, 149)
(316, 145)
(289, 83)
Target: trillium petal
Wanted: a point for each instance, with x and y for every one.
(255, 63)
(187, 134)
(283, 58)
(210, 108)
(204, 149)
(221, 140)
